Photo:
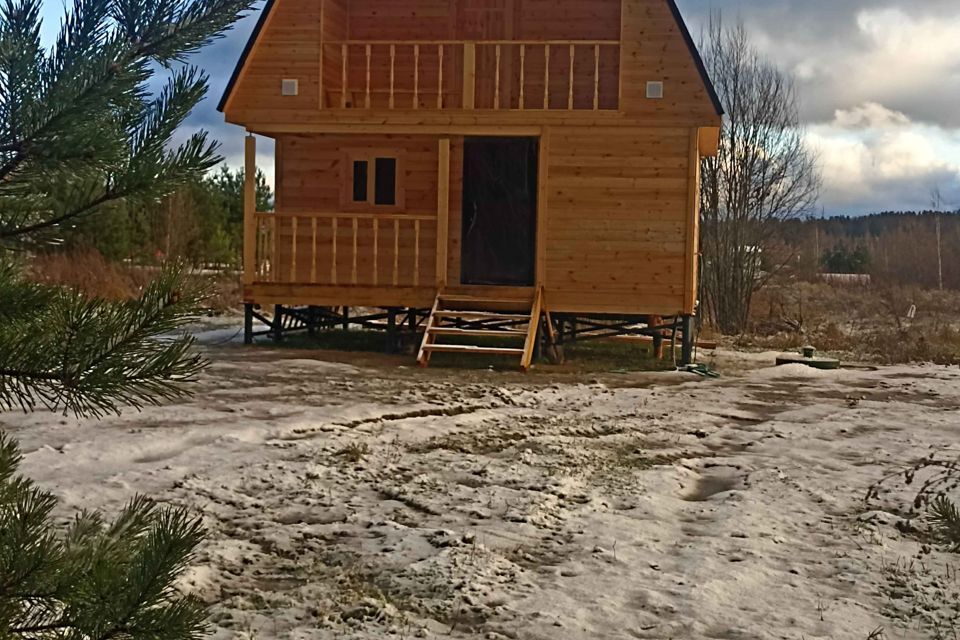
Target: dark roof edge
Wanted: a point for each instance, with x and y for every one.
(264, 14)
(697, 58)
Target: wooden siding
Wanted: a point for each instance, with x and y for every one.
(310, 178)
(618, 216)
(289, 46)
(617, 220)
(653, 49)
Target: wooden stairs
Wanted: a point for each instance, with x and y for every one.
(463, 324)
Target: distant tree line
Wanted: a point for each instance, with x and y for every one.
(910, 249)
(201, 222)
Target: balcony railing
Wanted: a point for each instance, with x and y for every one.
(562, 75)
(346, 249)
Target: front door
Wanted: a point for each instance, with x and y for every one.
(499, 211)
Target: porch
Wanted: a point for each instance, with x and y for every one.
(450, 75)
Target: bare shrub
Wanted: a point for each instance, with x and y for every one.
(763, 174)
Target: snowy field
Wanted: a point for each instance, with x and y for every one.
(347, 500)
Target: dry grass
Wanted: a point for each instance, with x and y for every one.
(88, 271)
(871, 323)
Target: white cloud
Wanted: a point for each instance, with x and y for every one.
(875, 158)
(870, 115)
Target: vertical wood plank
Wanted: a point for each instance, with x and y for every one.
(393, 73)
(250, 210)
(693, 224)
(443, 211)
(396, 252)
(354, 275)
(293, 248)
(333, 252)
(596, 77)
(416, 76)
(344, 53)
(496, 81)
(278, 173)
(274, 234)
(376, 251)
(366, 100)
(320, 38)
(313, 254)
(259, 248)
(573, 59)
(543, 216)
(416, 253)
(523, 75)
(440, 78)
(469, 75)
(546, 78)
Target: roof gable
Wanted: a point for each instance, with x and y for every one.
(297, 23)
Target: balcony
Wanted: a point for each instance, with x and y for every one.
(491, 75)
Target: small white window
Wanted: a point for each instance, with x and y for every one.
(655, 90)
(290, 87)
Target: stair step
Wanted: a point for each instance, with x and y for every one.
(480, 315)
(474, 300)
(478, 333)
(456, 348)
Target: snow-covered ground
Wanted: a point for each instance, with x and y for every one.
(352, 501)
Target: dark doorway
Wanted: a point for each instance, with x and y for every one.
(499, 211)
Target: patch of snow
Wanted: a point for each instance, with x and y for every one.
(345, 502)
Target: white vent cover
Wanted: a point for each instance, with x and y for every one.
(290, 87)
(655, 90)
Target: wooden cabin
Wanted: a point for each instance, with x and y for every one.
(491, 165)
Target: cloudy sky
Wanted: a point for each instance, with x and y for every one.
(879, 80)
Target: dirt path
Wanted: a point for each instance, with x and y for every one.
(351, 502)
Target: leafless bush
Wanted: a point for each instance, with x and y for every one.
(763, 174)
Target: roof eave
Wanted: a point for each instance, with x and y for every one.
(235, 76)
(697, 58)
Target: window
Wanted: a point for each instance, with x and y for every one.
(361, 178)
(372, 180)
(385, 191)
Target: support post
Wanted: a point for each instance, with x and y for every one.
(412, 321)
(313, 319)
(346, 318)
(278, 323)
(250, 211)
(392, 341)
(654, 322)
(686, 357)
(248, 323)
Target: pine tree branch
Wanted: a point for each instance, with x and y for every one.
(56, 626)
(60, 219)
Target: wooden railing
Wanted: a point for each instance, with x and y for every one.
(494, 74)
(346, 249)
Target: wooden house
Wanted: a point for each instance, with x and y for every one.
(481, 165)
